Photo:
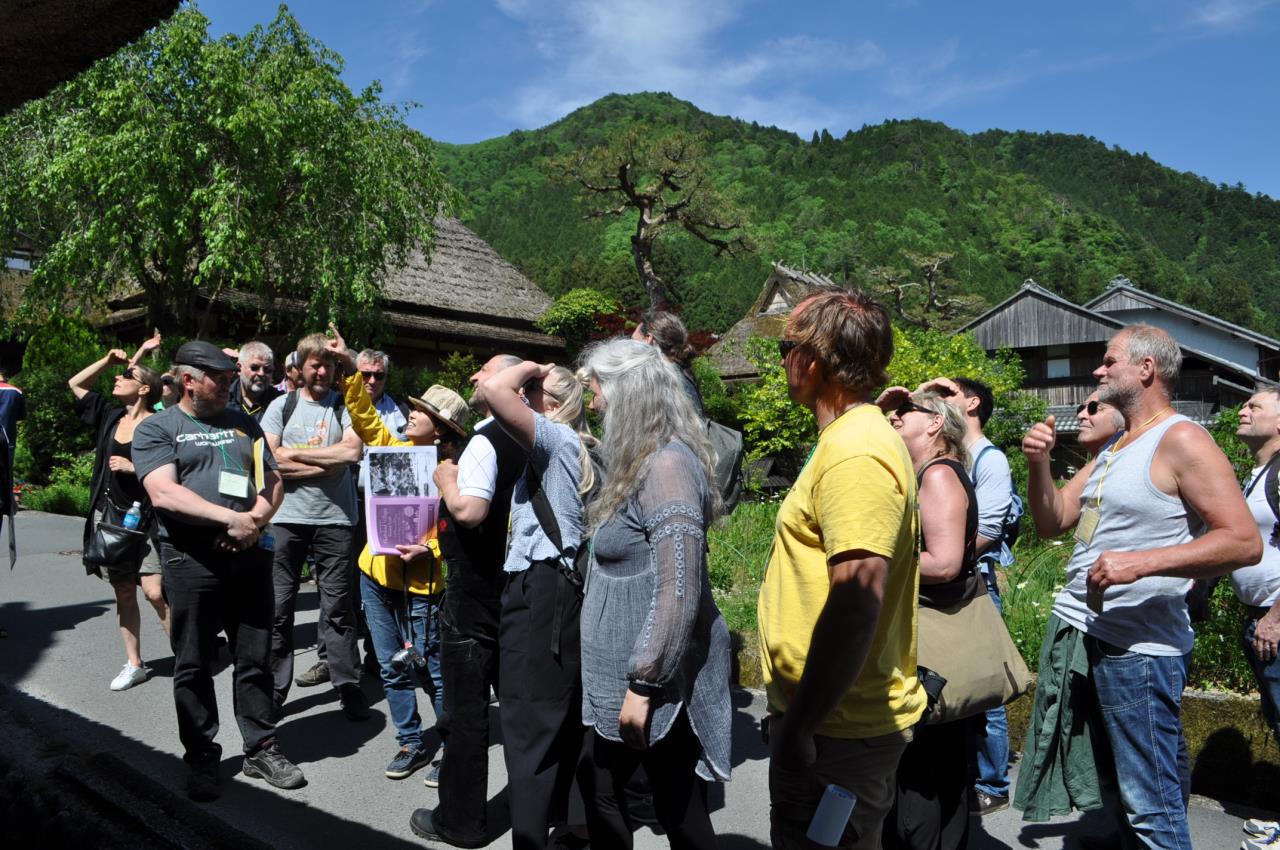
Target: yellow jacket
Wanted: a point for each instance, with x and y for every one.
(426, 574)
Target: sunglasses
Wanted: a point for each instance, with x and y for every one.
(786, 346)
(910, 406)
(1092, 407)
(129, 374)
(375, 376)
(257, 367)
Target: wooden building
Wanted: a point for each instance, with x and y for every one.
(464, 298)
(782, 291)
(1060, 344)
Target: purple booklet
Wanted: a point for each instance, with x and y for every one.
(401, 500)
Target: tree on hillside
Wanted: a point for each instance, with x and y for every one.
(184, 164)
(924, 294)
(666, 181)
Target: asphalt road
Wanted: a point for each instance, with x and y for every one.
(64, 648)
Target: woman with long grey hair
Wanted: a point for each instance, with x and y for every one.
(655, 650)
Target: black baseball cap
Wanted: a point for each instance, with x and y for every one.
(203, 355)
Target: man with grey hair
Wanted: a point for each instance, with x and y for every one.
(1155, 509)
(252, 391)
(374, 366)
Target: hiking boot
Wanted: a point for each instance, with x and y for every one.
(423, 824)
(128, 677)
(354, 705)
(406, 762)
(202, 782)
(985, 804)
(432, 779)
(317, 674)
(270, 764)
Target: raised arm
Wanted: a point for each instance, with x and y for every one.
(502, 391)
(1055, 511)
(365, 420)
(81, 382)
(148, 346)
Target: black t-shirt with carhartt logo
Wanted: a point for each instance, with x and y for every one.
(200, 449)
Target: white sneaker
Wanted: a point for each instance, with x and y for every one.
(1256, 828)
(1262, 842)
(128, 677)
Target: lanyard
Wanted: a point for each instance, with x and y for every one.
(227, 462)
(1102, 479)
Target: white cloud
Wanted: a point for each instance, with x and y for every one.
(1227, 14)
(593, 47)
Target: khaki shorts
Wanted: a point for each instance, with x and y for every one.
(117, 573)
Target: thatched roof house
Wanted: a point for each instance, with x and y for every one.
(464, 298)
(784, 289)
(46, 42)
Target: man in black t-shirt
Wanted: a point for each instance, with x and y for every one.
(215, 487)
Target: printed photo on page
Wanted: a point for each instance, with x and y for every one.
(401, 501)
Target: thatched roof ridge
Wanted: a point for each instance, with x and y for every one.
(783, 290)
(465, 275)
(46, 42)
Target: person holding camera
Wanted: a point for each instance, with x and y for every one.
(401, 594)
(116, 487)
(215, 487)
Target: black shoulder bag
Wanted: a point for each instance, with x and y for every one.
(111, 544)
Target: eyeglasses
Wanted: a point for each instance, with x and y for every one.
(257, 367)
(1092, 407)
(374, 376)
(909, 406)
(786, 346)
(129, 374)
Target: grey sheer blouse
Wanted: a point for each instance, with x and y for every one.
(649, 615)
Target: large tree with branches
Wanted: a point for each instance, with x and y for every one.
(923, 295)
(663, 179)
(187, 166)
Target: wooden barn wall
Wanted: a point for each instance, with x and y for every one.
(1121, 301)
(1032, 322)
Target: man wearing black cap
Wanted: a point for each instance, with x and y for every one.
(215, 487)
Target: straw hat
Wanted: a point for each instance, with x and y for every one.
(445, 405)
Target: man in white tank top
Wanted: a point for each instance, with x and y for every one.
(1154, 510)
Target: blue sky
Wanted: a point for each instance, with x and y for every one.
(1193, 83)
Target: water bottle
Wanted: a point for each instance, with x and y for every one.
(133, 519)
(267, 541)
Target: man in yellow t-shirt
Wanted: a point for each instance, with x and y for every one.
(837, 612)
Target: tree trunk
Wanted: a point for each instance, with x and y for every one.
(642, 250)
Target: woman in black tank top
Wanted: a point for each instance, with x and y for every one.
(114, 419)
(931, 810)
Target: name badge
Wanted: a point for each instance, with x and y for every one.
(233, 484)
(1090, 516)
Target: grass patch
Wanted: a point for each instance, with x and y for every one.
(738, 551)
(63, 497)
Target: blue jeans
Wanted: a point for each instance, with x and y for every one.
(1140, 700)
(1268, 675)
(992, 740)
(384, 609)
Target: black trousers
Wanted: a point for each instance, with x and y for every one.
(469, 668)
(931, 809)
(337, 626)
(679, 795)
(541, 695)
(209, 592)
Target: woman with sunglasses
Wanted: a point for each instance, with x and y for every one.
(1100, 424)
(931, 811)
(134, 394)
(401, 594)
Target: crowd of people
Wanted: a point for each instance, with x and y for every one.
(567, 574)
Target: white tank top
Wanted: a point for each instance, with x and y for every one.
(1150, 615)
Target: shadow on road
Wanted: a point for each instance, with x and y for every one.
(31, 631)
(262, 816)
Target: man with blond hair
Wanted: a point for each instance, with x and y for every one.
(837, 612)
(310, 433)
(1153, 510)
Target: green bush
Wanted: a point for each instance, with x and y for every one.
(575, 315)
(55, 352)
(68, 490)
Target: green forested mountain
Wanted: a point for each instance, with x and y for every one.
(1065, 210)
